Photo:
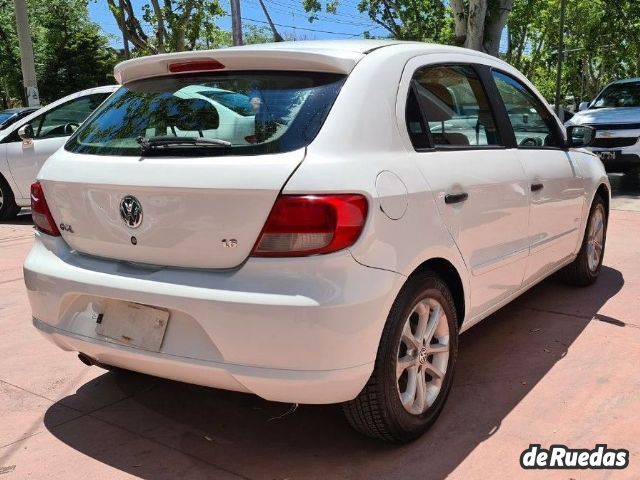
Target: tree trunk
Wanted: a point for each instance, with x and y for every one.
(475, 24)
(134, 32)
(536, 53)
(160, 31)
(460, 21)
(180, 40)
(494, 24)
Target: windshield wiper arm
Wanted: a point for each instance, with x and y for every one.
(150, 143)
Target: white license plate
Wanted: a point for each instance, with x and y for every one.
(133, 324)
(607, 156)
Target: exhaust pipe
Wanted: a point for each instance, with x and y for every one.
(86, 359)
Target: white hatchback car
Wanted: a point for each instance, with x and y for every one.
(383, 205)
(26, 144)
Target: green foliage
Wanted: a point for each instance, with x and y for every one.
(176, 25)
(602, 41)
(70, 52)
(424, 20)
(10, 72)
(601, 44)
(252, 34)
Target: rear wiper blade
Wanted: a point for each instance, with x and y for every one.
(150, 143)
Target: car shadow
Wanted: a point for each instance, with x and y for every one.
(625, 186)
(223, 433)
(23, 218)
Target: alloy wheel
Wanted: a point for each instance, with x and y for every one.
(423, 356)
(595, 239)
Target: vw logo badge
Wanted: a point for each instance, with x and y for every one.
(422, 355)
(131, 211)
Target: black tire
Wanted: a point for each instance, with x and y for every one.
(378, 411)
(579, 272)
(8, 209)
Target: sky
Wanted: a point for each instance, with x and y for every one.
(289, 14)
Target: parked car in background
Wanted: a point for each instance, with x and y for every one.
(27, 143)
(12, 115)
(389, 200)
(236, 118)
(615, 114)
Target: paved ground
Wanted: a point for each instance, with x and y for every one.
(560, 365)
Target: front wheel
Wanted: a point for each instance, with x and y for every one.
(584, 270)
(413, 372)
(8, 208)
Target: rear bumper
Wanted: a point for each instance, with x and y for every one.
(300, 330)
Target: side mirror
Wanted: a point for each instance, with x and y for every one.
(583, 106)
(580, 136)
(25, 132)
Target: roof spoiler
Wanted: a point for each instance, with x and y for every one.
(330, 61)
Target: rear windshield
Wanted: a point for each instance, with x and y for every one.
(247, 112)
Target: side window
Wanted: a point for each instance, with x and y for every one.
(63, 120)
(455, 106)
(532, 123)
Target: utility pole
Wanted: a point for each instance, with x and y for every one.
(236, 22)
(276, 36)
(123, 28)
(563, 7)
(29, 81)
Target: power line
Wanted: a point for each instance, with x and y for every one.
(285, 10)
(302, 28)
(300, 9)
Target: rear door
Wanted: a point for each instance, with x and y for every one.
(51, 129)
(554, 180)
(479, 185)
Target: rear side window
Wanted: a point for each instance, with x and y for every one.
(533, 125)
(455, 106)
(249, 112)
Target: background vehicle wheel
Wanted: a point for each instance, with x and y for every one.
(8, 207)
(414, 367)
(584, 270)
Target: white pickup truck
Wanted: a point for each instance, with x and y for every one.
(615, 114)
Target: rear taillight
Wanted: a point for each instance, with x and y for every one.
(40, 212)
(301, 225)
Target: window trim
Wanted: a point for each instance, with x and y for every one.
(423, 120)
(478, 69)
(503, 110)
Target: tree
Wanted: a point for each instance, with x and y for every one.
(425, 20)
(70, 52)
(479, 23)
(177, 25)
(475, 24)
(601, 44)
(75, 55)
(10, 69)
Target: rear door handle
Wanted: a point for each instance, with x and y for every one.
(535, 187)
(450, 198)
